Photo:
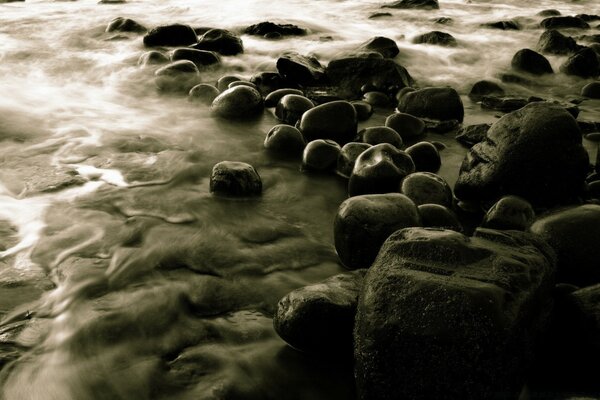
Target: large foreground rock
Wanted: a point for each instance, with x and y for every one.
(441, 103)
(445, 316)
(534, 152)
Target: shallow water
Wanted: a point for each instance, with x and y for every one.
(121, 276)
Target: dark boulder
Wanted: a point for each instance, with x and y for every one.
(201, 58)
(427, 188)
(335, 120)
(121, 24)
(285, 140)
(584, 63)
(290, 108)
(382, 45)
(273, 98)
(239, 102)
(380, 134)
(220, 40)
(472, 134)
(377, 99)
(485, 88)
(503, 25)
(236, 179)
(554, 42)
(591, 90)
(377, 15)
(527, 60)
(436, 38)
(414, 4)
(438, 216)
(268, 82)
(267, 27)
(170, 35)
(549, 13)
(510, 212)
(564, 22)
(425, 156)
(534, 152)
(320, 155)
(299, 69)
(586, 303)
(504, 104)
(442, 103)
(363, 223)
(408, 126)
(347, 158)
(363, 109)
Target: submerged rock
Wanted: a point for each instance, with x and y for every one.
(170, 35)
(436, 38)
(178, 77)
(300, 69)
(153, 57)
(584, 63)
(504, 104)
(335, 120)
(233, 178)
(382, 45)
(239, 102)
(414, 4)
(220, 40)
(203, 93)
(201, 58)
(442, 103)
(121, 24)
(485, 88)
(527, 60)
(267, 27)
(560, 22)
(503, 25)
(554, 42)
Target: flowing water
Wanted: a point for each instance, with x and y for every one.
(121, 276)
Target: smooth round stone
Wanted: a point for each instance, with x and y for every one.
(121, 24)
(269, 81)
(203, 93)
(363, 223)
(170, 35)
(427, 188)
(438, 145)
(290, 108)
(404, 91)
(320, 155)
(335, 120)
(531, 61)
(408, 126)
(380, 134)
(177, 77)
(377, 99)
(224, 81)
(239, 102)
(201, 58)
(233, 178)
(379, 169)
(363, 109)
(241, 83)
(153, 57)
(285, 140)
(485, 88)
(273, 98)
(425, 156)
(347, 158)
(591, 90)
(438, 216)
(510, 212)
(440, 103)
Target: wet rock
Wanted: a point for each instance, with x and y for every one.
(363, 109)
(242, 83)
(267, 27)
(442, 103)
(438, 216)
(268, 82)
(527, 60)
(363, 223)
(564, 22)
(347, 158)
(589, 38)
(290, 108)
(441, 127)
(414, 4)
(380, 134)
(203, 93)
(534, 152)
(408, 126)
(432, 312)
(233, 178)
(351, 73)
(427, 188)
(273, 98)
(503, 25)
(379, 169)
(516, 79)
(377, 99)
(335, 120)
(300, 69)
(573, 233)
(510, 212)
(472, 134)
(591, 90)
(504, 104)
(549, 13)
(485, 88)
(380, 15)
(589, 127)
(584, 64)
(285, 140)
(152, 58)
(436, 38)
(588, 17)
(425, 156)
(240, 102)
(220, 40)
(170, 35)
(586, 303)
(177, 77)
(320, 155)
(320, 318)
(201, 58)
(121, 24)
(382, 45)
(554, 42)
(224, 82)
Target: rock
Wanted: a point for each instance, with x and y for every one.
(438, 308)
(170, 35)
(554, 42)
(177, 77)
(584, 64)
(573, 233)
(152, 58)
(441, 127)
(379, 169)
(320, 318)
(363, 223)
(264, 28)
(503, 25)
(220, 40)
(335, 120)
(380, 15)
(285, 140)
(240, 102)
(425, 156)
(380, 134)
(527, 60)
(427, 188)
(590, 38)
(203, 93)
(121, 24)
(237, 179)
(377, 99)
(382, 45)
(224, 82)
(549, 13)
(441, 103)
(504, 104)
(438, 216)
(408, 127)
(588, 17)
(320, 155)
(351, 73)
(516, 79)
(414, 4)
(300, 69)
(363, 109)
(348, 156)
(591, 90)
(290, 108)
(273, 98)
(242, 83)
(564, 22)
(510, 212)
(268, 82)
(472, 134)
(589, 127)
(436, 38)
(586, 308)
(534, 152)
(485, 88)
(201, 58)
(443, 21)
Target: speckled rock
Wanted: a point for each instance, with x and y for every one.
(427, 188)
(236, 179)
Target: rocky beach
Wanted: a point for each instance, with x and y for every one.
(299, 200)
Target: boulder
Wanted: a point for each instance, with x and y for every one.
(177, 77)
(408, 127)
(320, 318)
(438, 216)
(427, 188)
(382, 45)
(290, 108)
(267, 27)
(335, 120)
(591, 90)
(152, 57)
(560, 22)
(534, 152)
(239, 102)
(586, 303)
(508, 25)
(236, 179)
(268, 82)
(203, 93)
(549, 13)
(504, 104)
(414, 4)
(441, 103)
(273, 98)
(320, 155)
(446, 316)
(170, 35)
(201, 58)
(485, 88)
(347, 158)
(285, 140)
(363, 223)
(472, 134)
(377, 99)
(584, 63)
(363, 109)
(220, 40)
(299, 69)
(121, 24)
(527, 60)
(425, 156)
(554, 42)
(242, 83)
(510, 212)
(380, 134)
(436, 38)
(224, 82)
